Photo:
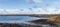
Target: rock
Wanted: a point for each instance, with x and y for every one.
(52, 19)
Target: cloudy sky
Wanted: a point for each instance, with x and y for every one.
(29, 6)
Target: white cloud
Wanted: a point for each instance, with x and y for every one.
(9, 11)
(31, 1)
(27, 11)
(37, 1)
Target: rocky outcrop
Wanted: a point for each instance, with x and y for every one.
(17, 25)
(52, 19)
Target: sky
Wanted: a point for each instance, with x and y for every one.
(29, 6)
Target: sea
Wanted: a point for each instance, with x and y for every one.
(21, 19)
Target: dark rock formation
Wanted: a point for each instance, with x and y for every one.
(17, 25)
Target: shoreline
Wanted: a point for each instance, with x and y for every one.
(17, 25)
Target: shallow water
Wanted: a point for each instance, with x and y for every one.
(22, 19)
(18, 18)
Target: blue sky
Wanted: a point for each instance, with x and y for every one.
(12, 4)
(46, 5)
